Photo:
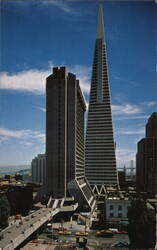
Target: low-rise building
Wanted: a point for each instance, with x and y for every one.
(116, 210)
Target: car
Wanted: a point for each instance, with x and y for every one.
(64, 232)
(121, 244)
(67, 233)
(35, 241)
(124, 232)
(18, 217)
(81, 223)
(81, 233)
(104, 233)
(60, 232)
(31, 211)
(114, 230)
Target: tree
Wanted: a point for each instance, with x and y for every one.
(142, 226)
(4, 211)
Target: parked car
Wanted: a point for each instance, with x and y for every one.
(124, 232)
(81, 233)
(114, 230)
(105, 233)
(64, 232)
(121, 244)
(81, 223)
(18, 217)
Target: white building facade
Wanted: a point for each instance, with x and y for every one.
(116, 210)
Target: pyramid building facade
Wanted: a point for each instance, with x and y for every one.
(100, 146)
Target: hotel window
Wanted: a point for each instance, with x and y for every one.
(111, 215)
(120, 215)
(120, 207)
(111, 207)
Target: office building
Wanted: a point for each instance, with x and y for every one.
(65, 107)
(146, 159)
(151, 126)
(100, 157)
(38, 169)
(122, 179)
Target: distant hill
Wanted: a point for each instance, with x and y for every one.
(14, 169)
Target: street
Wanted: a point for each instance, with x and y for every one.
(92, 239)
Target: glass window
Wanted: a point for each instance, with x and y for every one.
(111, 215)
(120, 215)
(119, 207)
(111, 207)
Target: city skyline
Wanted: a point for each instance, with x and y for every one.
(29, 55)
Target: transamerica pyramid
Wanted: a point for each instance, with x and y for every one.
(100, 157)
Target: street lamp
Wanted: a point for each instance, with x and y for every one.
(85, 223)
(85, 219)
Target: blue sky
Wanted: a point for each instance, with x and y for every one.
(37, 35)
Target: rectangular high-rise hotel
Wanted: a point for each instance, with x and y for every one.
(65, 107)
(100, 146)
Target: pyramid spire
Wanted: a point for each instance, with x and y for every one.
(100, 25)
(100, 146)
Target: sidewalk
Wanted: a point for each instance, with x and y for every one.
(72, 226)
